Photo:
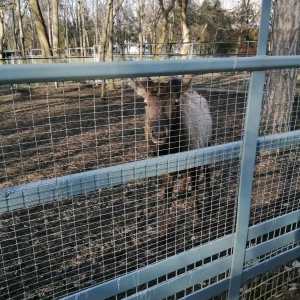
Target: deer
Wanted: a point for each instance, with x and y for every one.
(177, 119)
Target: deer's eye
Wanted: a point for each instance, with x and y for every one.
(145, 103)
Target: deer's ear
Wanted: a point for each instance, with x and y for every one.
(142, 86)
(186, 81)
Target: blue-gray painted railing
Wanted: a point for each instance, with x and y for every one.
(63, 72)
(66, 186)
(151, 272)
(231, 265)
(248, 158)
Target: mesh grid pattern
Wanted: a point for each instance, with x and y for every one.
(275, 190)
(279, 283)
(276, 184)
(59, 247)
(56, 248)
(51, 131)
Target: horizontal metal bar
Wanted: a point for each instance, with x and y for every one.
(269, 264)
(80, 183)
(11, 74)
(71, 185)
(278, 141)
(146, 274)
(184, 281)
(272, 245)
(209, 291)
(171, 264)
(273, 224)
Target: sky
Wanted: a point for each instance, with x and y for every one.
(228, 4)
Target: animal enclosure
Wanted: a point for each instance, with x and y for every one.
(81, 198)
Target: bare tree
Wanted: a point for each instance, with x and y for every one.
(49, 27)
(41, 27)
(95, 19)
(66, 29)
(164, 24)
(140, 29)
(279, 96)
(103, 38)
(182, 8)
(110, 44)
(107, 38)
(83, 38)
(12, 9)
(1, 33)
(55, 31)
(20, 25)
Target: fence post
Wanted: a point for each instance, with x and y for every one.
(95, 53)
(248, 158)
(191, 50)
(245, 73)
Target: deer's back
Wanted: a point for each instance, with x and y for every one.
(196, 119)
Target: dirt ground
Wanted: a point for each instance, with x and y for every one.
(60, 247)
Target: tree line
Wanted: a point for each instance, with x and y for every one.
(53, 26)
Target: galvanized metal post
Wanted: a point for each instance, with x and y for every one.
(248, 158)
(245, 73)
(191, 50)
(95, 53)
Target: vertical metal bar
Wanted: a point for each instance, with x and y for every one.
(95, 55)
(191, 50)
(248, 158)
(264, 27)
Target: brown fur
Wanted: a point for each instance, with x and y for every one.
(176, 120)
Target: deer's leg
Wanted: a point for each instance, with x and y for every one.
(168, 184)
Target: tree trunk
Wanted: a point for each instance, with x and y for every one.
(186, 42)
(41, 27)
(279, 96)
(49, 24)
(1, 34)
(21, 33)
(85, 40)
(55, 30)
(103, 39)
(103, 44)
(14, 28)
(110, 45)
(164, 23)
(66, 30)
(79, 27)
(96, 23)
(140, 30)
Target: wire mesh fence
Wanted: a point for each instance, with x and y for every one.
(50, 249)
(279, 283)
(49, 130)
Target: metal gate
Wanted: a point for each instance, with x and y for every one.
(80, 197)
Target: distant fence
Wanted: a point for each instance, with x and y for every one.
(80, 199)
(130, 52)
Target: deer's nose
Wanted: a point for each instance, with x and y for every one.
(159, 129)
